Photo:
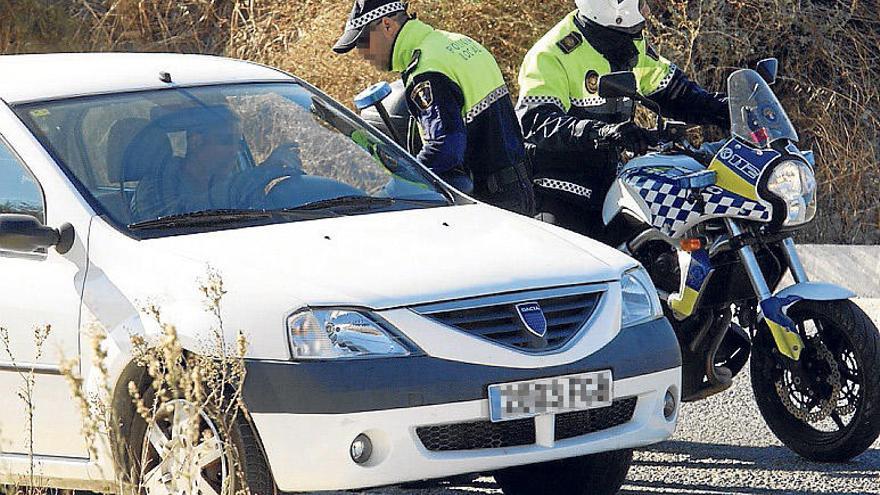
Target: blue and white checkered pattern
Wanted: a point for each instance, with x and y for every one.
(673, 213)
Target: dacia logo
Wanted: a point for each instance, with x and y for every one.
(532, 317)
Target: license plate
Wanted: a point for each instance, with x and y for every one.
(560, 394)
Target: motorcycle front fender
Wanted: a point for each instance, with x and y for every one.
(816, 291)
(774, 311)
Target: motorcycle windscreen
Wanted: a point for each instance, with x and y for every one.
(756, 116)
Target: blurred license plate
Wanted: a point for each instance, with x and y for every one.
(549, 395)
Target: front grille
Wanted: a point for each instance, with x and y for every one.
(577, 423)
(477, 435)
(487, 435)
(495, 318)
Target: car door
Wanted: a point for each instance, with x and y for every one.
(39, 292)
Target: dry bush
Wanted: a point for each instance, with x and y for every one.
(206, 384)
(828, 51)
(28, 26)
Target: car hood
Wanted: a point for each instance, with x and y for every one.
(400, 258)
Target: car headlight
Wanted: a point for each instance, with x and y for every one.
(795, 184)
(336, 333)
(640, 301)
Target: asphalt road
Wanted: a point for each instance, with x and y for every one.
(721, 447)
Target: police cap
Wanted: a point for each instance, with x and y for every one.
(362, 14)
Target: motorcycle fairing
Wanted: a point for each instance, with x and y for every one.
(674, 209)
(699, 270)
(739, 168)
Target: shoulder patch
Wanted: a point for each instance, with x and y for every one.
(413, 64)
(422, 95)
(570, 42)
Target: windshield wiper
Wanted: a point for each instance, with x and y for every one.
(360, 202)
(345, 202)
(203, 217)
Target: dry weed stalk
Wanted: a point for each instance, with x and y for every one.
(204, 383)
(26, 394)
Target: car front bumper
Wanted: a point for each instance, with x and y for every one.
(308, 414)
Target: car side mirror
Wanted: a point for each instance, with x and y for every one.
(618, 85)
(25, 234)
(767, 69)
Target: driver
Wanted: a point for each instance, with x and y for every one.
(573, 135)
(209, 176)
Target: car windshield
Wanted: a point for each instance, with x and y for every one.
(755, 114)
(215, 155)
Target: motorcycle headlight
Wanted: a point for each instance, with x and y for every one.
(341, 334)
(640, 301)
(794, 182)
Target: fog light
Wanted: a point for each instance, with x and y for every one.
(669, 405)
(361, 449)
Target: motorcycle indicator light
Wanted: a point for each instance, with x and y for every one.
(691, 245)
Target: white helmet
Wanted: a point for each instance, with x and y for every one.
(623, 15)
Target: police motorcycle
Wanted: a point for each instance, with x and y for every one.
(713, 226)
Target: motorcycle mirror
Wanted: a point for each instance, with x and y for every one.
(372, 95)
(767, 69)
(618, 85)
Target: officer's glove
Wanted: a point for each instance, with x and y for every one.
(628, 136)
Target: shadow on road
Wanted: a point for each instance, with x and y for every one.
(654, 487)
(780, 459)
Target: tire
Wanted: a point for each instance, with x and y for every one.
(597, 474)
(854, 342)
(242, 458)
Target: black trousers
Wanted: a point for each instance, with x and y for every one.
(516, 195)
(571, 214)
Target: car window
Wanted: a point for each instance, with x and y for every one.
(19, 191)
(262, 147)
(97, 122)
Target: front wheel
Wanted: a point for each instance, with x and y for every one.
(597, 474)
(826, 406)
(183, 450)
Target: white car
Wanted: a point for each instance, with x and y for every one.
(398, 329)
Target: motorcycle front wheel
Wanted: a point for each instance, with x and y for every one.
(826, 406)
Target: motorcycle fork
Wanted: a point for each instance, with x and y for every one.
(794, 262)
(788, 341)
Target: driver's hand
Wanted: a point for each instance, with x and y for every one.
(285, 155)
(248, 188)
(628, 136)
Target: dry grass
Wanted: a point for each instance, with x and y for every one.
(208, 383)
(828, 50)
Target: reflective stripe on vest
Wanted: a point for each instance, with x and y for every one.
(548, 75)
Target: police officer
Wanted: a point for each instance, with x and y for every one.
(456, 93)
(573, 135)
